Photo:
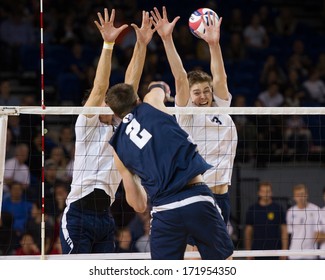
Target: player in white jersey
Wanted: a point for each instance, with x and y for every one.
(87, 225)
(215, 135)
(302, 222)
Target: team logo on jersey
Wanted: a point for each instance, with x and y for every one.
(216, 120)
(128, 118)
(270, 216)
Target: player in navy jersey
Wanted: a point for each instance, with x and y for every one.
(150, 145)
(87, 225)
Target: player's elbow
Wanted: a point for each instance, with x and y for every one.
(140, 208)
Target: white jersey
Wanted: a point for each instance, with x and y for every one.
(303, 224)
(322, 229)
(216, 138)
(93, 162)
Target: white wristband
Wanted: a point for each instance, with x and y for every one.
(108, 45)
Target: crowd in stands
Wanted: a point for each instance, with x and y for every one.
(272, 57)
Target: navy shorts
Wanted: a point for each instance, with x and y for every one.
(195, 214)
(87, 231)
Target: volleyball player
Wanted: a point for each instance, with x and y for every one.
(303, 223)
(87, 225)
(215, 135)
(150, 144)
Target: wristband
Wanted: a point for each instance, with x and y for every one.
(108, 45)
(157, 86)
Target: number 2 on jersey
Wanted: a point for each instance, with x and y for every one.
(138, 137)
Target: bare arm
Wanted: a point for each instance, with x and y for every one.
(136, 196)
(144, 35)
(320, 237)
(101, 81)
(248, 237)
(284, 239)
(212, 37)
(165, 30)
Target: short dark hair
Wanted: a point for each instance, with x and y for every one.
(121, 98)
(264, 183)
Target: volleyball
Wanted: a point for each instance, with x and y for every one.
(195, 22)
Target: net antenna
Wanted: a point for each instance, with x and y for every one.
(42, 129)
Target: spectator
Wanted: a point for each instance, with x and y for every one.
(302, 222)
(235, 50)
(272, 72)
(294, 80)
(27, 246)
(298, 137)
(16, 169)
(315, 87)
(292, 98)
(19, 208)
(236, 21)
(34, 227)
(255, 34)
(271, 97)
(124, 242)
(266, 227)
(267, 18)
(299, 59)
(66, 140)
(285, 22)
(58, 156)
(7, 98)
(15, 32)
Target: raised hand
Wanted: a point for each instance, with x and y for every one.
(162, 25)
(212, 30)
(106, 26)
(145, 32)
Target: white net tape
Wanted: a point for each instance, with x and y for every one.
(188, 255)
(65, 110)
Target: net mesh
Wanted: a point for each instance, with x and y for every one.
(282, 146)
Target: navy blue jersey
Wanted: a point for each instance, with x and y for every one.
(266, 222)
(151, 144)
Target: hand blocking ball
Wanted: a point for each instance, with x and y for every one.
(195, 21)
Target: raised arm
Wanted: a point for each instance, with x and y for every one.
(144, 35)
(165, 29)
(109, 34)
(212, 37)
(136, 195)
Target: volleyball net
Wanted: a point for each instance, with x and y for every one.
(284, 146)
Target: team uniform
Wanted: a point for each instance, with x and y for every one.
(266, 222)
(322, 229)
(87, 225)
(152, 145)
(302, 225)
(216, 138)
